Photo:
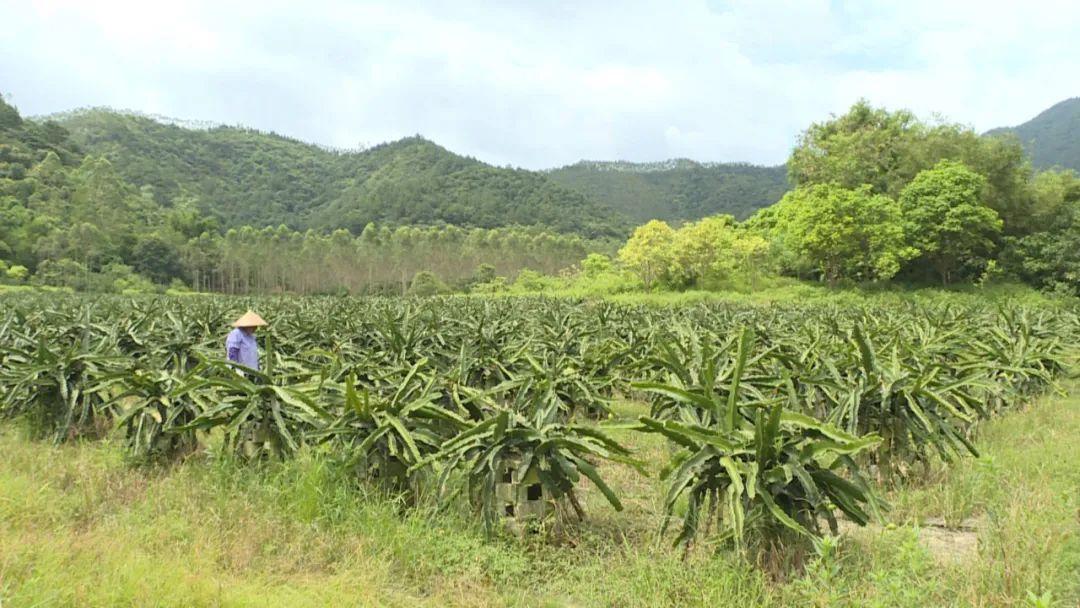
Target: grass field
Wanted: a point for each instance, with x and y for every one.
(80, 527)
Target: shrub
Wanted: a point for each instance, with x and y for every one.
(496, 285)
(595, 265)
(532, 281)
(426, 283)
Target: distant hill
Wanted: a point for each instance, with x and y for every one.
(26, 142)
(1053, 137)
(247, 177)
(676, 190)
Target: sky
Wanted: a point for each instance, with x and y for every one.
(544, 83)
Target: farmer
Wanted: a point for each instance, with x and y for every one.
(241, 346)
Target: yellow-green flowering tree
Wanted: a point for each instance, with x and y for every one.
(648, 251)
(844, 233)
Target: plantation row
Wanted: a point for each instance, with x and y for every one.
(780, 419)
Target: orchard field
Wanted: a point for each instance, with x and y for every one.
(539, 451)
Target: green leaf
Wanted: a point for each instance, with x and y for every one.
(589, 471)
(780, 515)
(746, 342)
(673, 392)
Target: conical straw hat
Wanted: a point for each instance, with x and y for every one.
(250, 319)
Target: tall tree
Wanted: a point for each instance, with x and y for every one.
(886, 150)
(865, 146)
(843, 233)
(648, 251)
(946, 219)
(157, 259)
(704, 249)
(1050, 257)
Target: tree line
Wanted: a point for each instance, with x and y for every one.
(676, 190)
(882, 196)
(380, 260)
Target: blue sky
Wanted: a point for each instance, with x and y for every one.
(544, 83)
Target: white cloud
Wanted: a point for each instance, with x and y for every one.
(542, 84)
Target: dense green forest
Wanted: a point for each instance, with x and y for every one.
(676, 190)
(1053, 137)
(245, 177)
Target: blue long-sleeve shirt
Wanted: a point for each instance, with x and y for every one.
(242, 348)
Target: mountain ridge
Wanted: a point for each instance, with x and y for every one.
(1052, 137)
(246, 176)
(676, 190)
(669, 164)
(242, 175)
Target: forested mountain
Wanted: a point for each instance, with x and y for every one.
(246, 177)
(240, 176)
(25, 142)
(71, 218)
(413, 181)
(676, 190)
(1053, 137)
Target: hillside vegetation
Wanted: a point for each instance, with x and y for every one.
(677, 190)
(247, 177)
(1053, 137)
